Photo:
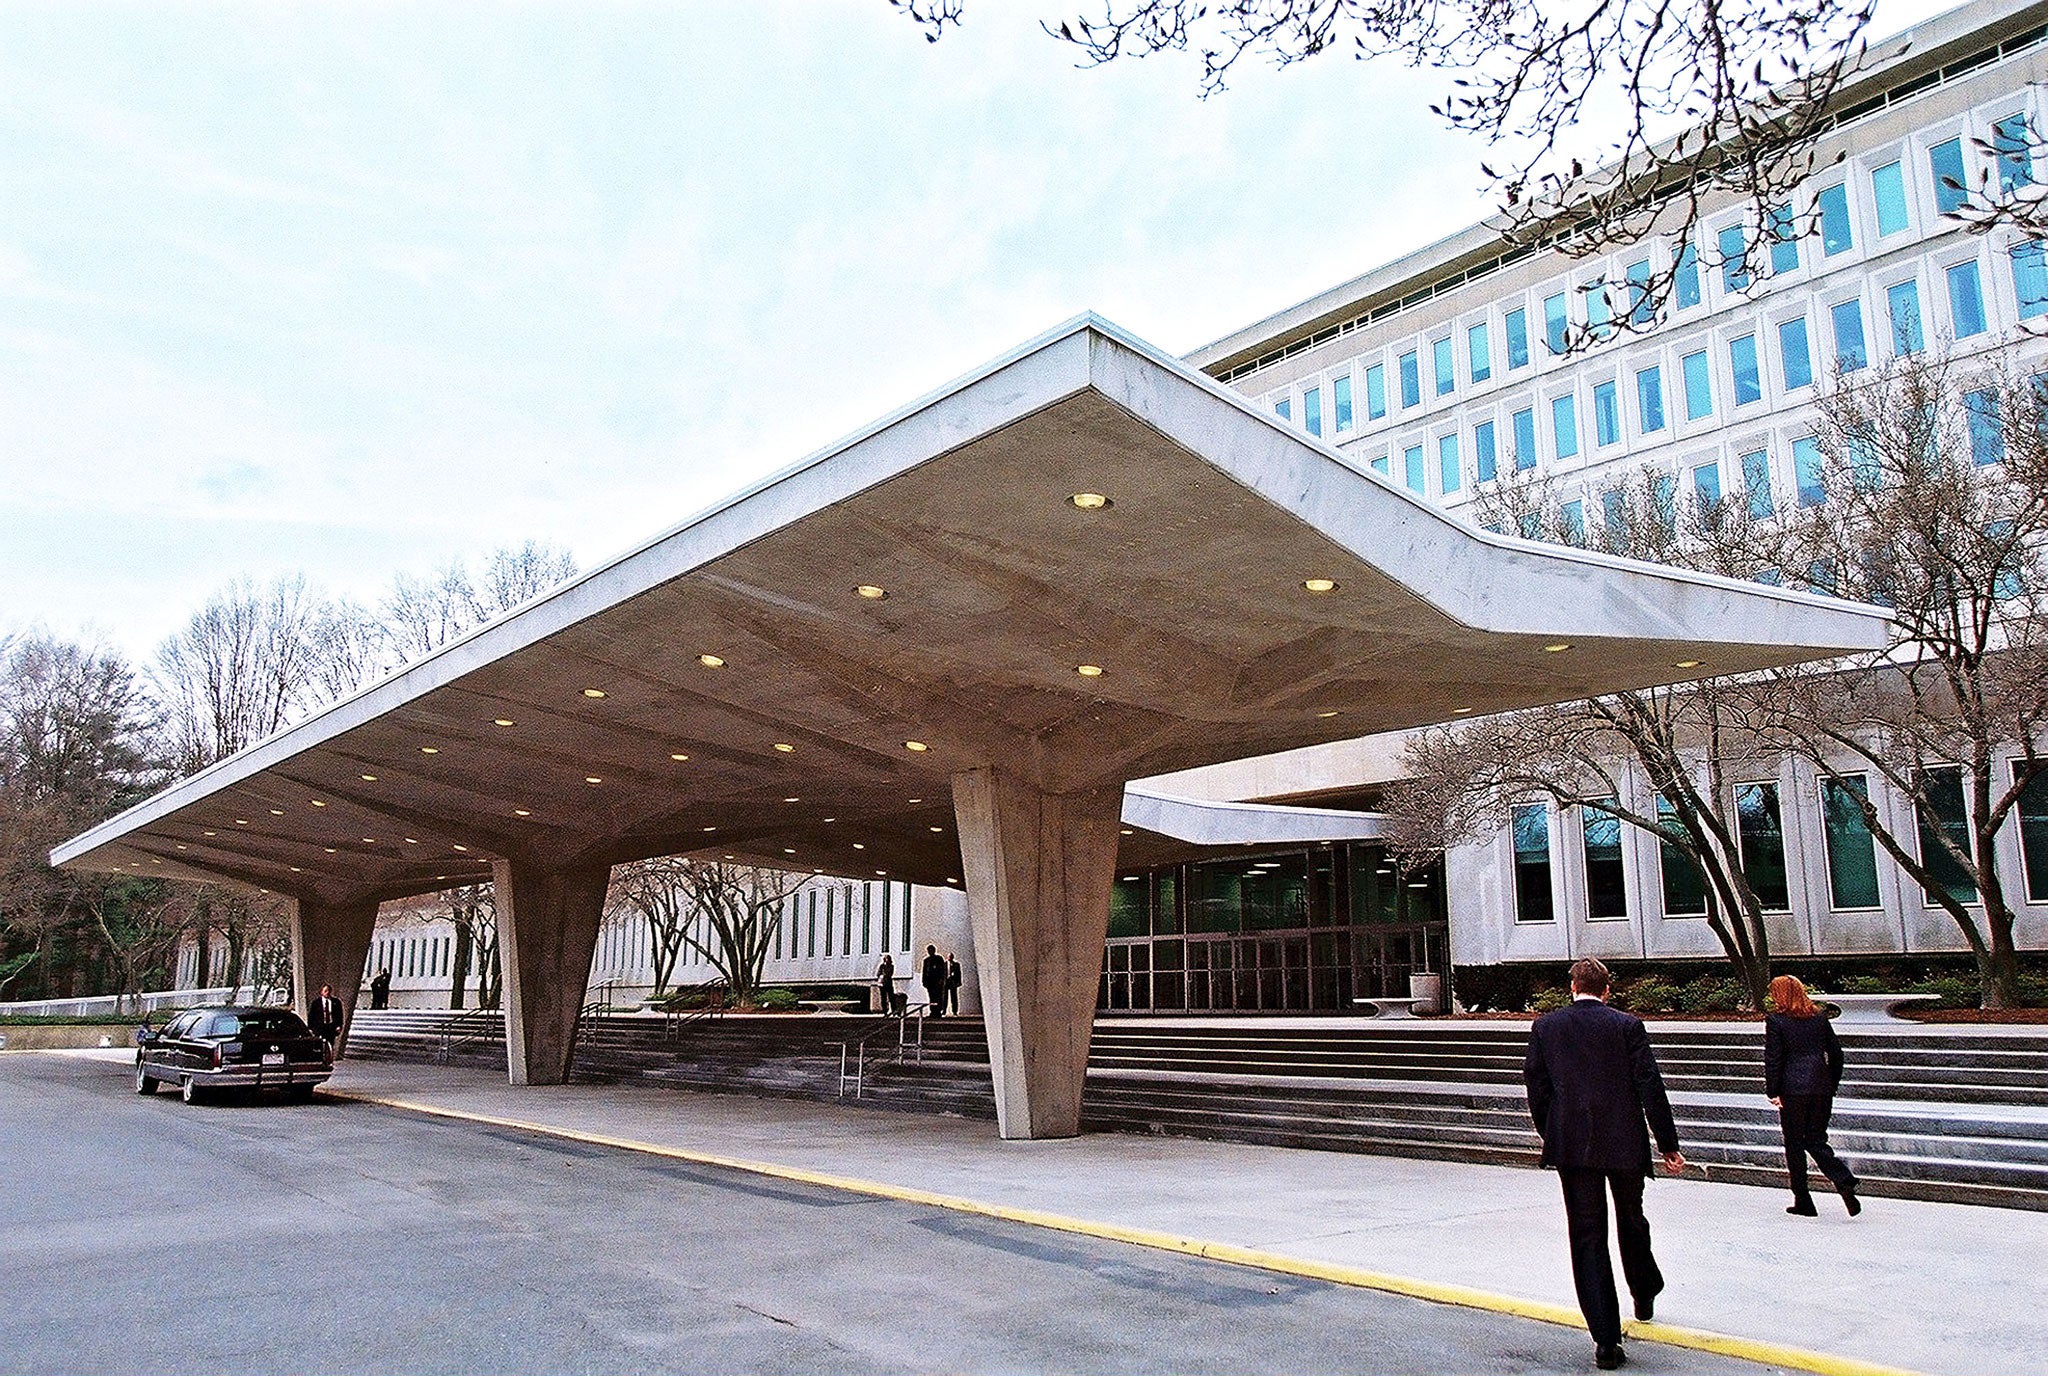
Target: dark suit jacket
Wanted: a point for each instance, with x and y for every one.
(1801, 1055)
(1592, 1082)
(326, 1015)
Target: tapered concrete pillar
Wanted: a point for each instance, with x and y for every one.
(547, 932)
(1038, 870)
(330, 945)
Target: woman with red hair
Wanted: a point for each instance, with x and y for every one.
(1802, 1068)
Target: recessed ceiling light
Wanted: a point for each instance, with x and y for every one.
(209, 833)
(412, 841)
(369, 840)
(916, 747)
(1461, 711)
(828, 819)
(792, 800)
(940, 829)
(711, 828)
(318, 803)
(277, 812)
(592, 779)
(462, 848)
(711, 661)
(951, 880)
(882, 872)
(328, 849)
(871, 592)
(1090, 501)
(369, 778)
(785, 747)
(678, 756)
(1687, 664)
(1319, 584)
(1129, 832)
(1088, 670)
(501, 721)
(859, 845)
(593, 692)
(241, 821)
(521, 812)
(917, 800)
(430, 750)
(1324, 716)
(154, 861)
(789, 850)
(1559, 648)
(183, 846)
(732, 857)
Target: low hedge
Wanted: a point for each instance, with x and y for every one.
(1699, 986)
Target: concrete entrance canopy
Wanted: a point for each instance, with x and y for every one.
(927, 653)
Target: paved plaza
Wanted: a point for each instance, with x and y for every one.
(376, 1239)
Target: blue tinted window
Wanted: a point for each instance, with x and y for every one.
(1518, 338)
(1411, 380)
(1531, 826)
(1556, 322)
(1987, 427)
(1375, 391)
(1650, 399)
(2029, 279)
(1850, 353)
(1951, 183)
(1640, 311)
(1749, 383)
(1734, 276)
(1664, 493)
(1756, 483)
(1965, 300)
(1902, 302)
(1478, 355)
(1484, 459)
(1784, 240)
(2012, 145)
(1706, 484)
(1340, 402)
(1599, 311)
(1446, 370)
(1806, 470)
(1379, 465)
(1447, 463)
(1525, 440)
(1836, 233)
(1574, 514)
(1564, 425)
(1312, 410)
(1284, 409)
(1411, 469)
(1685, 277)
(1606, 414)
(1888, 188)
(1699, 387)
(1795, 360)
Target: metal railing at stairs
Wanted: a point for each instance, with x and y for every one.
(853, 1055)
(458, 1030)
(686, 1007)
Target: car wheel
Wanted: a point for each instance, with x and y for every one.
(299, 1094)
(189, 1090)
(145, 1083)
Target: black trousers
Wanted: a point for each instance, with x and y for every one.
(1804, 1117)
(1585, 1212)
(937, 995)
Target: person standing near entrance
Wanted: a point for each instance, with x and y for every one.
(885, 984)
(325, 1015)
(932, 976)
(952, 983)
(1593, 1085)
(380, 990)
(1802, 1069)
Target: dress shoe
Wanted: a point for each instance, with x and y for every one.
(1851, 1202)
(1608, 1356)
(1646, 1307)
(1804, 1208)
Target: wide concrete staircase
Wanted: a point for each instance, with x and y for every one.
(1932, 1113)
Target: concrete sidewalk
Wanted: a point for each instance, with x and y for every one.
(1929, 1287)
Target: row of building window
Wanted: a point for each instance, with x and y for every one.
(1851, 851)
(409, 957)
(1833, 234)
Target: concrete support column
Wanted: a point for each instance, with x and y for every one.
(330, 945)
(1038, 868)
(547, 932)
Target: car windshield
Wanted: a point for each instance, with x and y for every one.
(257, 1022)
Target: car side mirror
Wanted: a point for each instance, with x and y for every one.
(144, 1035)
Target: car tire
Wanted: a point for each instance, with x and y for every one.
(299, 1094)
(145, 1083)
(189, 1090)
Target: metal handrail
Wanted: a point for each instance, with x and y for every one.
(459, 1029)
(908, 1046)
(674, 1020)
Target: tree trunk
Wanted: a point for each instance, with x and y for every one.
(459, 965)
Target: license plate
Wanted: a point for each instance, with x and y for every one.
(273, 1058)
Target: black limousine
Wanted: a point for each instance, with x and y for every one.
(205, 1049)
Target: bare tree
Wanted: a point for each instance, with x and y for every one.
(659, 891)
(1607, 121)
(473, 908)
(724, 912)
(422, 614)
(240, 670)
(1660, 760)
(1927, 492)
(140, 926)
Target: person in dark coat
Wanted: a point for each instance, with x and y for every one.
(1593, 1084)
(325, 1016)
(952, 983)
(380, 990)
(933, 976)
(885, 982)
(1802, 1069)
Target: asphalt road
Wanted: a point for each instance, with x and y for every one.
(140, 1235)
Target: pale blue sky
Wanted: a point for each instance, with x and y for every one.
(352, 289)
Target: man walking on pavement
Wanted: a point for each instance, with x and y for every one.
(326, 1016)
(1593, 1084)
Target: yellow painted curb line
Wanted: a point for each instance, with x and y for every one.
(1696, 1339)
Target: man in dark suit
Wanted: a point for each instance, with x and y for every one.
(325, 1016)
(1593, 1083)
